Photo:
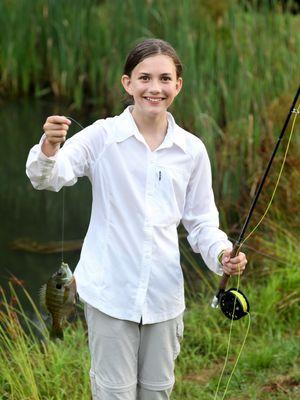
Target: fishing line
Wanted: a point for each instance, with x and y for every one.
(279, 260)
(295, 111)
(76, 122)
(228, 347)
(63, 205)
(63, 225)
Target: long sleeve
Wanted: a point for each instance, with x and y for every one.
(201, 217)
(75, 159)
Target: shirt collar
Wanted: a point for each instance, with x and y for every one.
(128, 128)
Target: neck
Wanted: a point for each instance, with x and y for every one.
(150, 125)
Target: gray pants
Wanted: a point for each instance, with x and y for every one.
(131, 361)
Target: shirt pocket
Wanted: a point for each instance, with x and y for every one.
(169, 195)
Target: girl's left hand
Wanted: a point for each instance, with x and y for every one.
(235, 265)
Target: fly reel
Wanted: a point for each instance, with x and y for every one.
(234, 304)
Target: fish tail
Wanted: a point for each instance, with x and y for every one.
(56, 333)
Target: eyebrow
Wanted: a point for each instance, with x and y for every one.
(163, 74)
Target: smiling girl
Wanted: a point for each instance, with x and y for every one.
(147, 176)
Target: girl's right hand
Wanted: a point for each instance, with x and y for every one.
(55, 128)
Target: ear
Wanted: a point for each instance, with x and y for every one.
(179, 84)
(126, 82)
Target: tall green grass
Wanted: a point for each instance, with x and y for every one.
(240, 76)
(237, 60)
(32, 367)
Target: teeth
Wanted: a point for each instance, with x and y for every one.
(155, 100)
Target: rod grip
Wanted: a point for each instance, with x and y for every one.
(225, 277)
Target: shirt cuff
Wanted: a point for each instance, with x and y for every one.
(218, 251)
(220, 256)
(43, 156)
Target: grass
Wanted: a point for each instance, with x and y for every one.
(34, 368)
(240, 68)
(237, 60)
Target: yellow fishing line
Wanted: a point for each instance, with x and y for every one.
(241, 299)
(238, 357)
(278, 179)
(237, 294)
(228, 347)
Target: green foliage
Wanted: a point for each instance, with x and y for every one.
(236, 58)
(240, 65)
(36, 368)
(32, 367)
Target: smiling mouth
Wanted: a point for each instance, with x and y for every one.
(155, 99)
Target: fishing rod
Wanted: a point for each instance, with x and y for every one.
(233, 302)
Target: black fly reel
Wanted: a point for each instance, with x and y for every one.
(233, 303)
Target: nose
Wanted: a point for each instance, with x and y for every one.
(155, 87)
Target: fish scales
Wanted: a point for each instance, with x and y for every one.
(58, 297)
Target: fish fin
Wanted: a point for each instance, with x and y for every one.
(70, 293)
(72, 317)
(77, 300)
(66, 293)
(42, 296)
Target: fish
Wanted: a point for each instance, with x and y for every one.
(59, 297)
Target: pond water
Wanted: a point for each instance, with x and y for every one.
(28, 213)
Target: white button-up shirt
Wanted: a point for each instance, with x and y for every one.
(129, 266)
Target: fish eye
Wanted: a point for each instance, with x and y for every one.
(58, 286)
(59, 273)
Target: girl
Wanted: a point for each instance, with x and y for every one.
(147, 175)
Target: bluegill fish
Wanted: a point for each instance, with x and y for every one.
(58, 297)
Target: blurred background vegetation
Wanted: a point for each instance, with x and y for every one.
(241, 64)
(241, 71)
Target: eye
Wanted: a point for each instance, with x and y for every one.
(166, 78)
(144, 78)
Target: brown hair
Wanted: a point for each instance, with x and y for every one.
(148, 48)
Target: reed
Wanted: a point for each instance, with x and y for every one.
(237, 60)
(31, 366)
(36, 368)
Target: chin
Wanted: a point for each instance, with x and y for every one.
(156, 108)
(156, 111)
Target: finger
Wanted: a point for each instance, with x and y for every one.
(232, 271)
(234, 267)
(235, 260)
(239, 269)
(58, 119)
(237, 272)
(238, 259)
(55, 140)
(50, 126)
(229, 272)
(226, 256)
(57, 133)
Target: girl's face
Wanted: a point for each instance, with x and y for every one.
(153, 84)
